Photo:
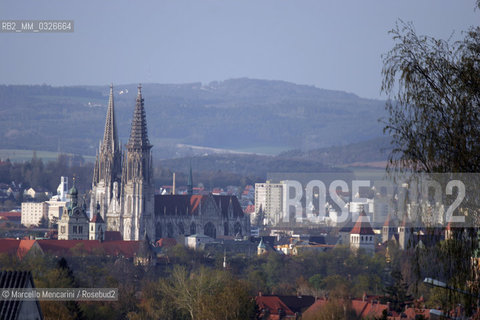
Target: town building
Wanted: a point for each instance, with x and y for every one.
(344, 232)
(74, 222)
(268, 202)
(197, 241)
(389, 229)
(97, 227)
(33, 212)
(262, 248)
(58, 202)
(362, 235)
(405, 234)
(55, 210)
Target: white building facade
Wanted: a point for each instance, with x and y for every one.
(58, 202)
(269, 202)
(32, 213)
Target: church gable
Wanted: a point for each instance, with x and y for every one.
(229, 206)
(209, 207)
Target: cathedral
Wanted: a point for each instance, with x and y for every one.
(123, 192)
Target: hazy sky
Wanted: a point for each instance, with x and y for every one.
(331, 44)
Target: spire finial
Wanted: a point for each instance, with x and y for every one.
(190, 180)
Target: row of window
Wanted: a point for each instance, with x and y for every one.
(75, 230)
(357, 239)
(209, 229)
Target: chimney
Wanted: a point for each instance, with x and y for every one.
(173, 187)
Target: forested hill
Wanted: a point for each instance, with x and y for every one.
(250, 115)
(370, 151)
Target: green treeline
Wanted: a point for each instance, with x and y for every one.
(193, 285)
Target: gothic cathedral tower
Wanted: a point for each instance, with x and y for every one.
(108, 164)
(137, 179)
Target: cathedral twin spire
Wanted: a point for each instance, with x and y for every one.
(122, 182)
(138, 134)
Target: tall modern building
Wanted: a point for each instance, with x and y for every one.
(123, 191)
(269, 202)
(33, 212)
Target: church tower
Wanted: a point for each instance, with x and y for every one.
(137, 179)
(108, 164)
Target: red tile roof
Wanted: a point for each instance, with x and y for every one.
(16, 247)
(9, 246)
(11, 214)
(126, 249)
(410, 314)
(10, 218)
(368, 309)
(314, 308)
(24, 247)
(362, 226)
(273, 306)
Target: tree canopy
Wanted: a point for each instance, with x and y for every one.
(434, 106)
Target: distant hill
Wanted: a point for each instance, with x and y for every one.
(370, 151)
(260, 116)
